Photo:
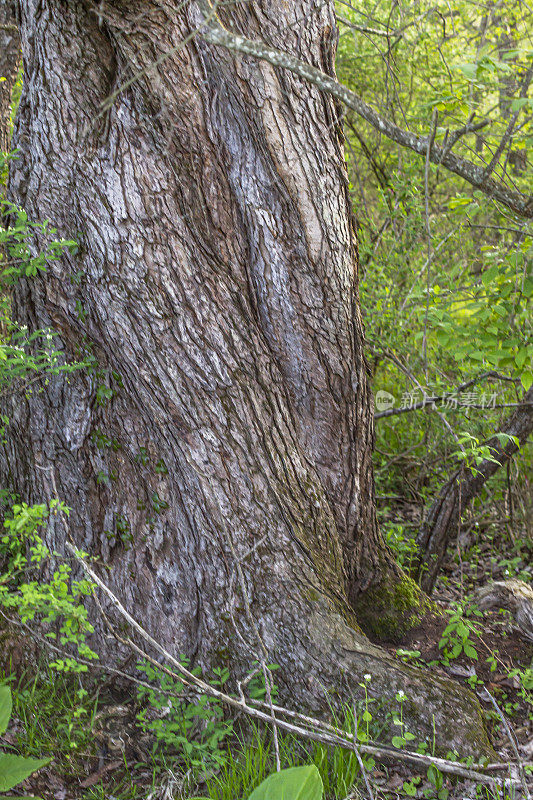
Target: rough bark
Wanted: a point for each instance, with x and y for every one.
(216, 286)
(9, 63)
(441, 524)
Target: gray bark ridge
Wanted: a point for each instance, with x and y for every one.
(216, 286)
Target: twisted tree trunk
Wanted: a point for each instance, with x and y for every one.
(227, 418)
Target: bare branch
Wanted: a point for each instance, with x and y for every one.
(213, 32)
(307, 727)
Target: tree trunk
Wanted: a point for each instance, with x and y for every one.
(9, 63)
(228, 417)
(444, 516)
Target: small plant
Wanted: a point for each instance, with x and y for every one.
(14, 769)
(410, 787)
(192, 725)
(404, 736)
(364, 735)
(457, 638)
(103, 394)
(158, 504)
(402, 545)
(408, 655)
(142, 456)
(57, 604)
(437, 781)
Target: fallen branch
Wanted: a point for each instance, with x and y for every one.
(510, 736)
(307, 727)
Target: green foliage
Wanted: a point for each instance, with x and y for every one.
(26, 355)
(403, 737)
(472, 454)
(55, 713)
(435, 778)
(457, 636)
(6, 706)
(401, 543)
(56, 604)
(16, 233)
(14, 769)
(442, 311)
(297, 783)
(193, 726)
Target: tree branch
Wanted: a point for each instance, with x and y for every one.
(212, 31)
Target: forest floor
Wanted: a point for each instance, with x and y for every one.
(99, 751)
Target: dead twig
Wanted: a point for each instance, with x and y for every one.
(510, 736)
(308, 727)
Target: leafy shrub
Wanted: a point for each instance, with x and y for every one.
(194, 726)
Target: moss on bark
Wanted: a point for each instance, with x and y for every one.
(393, 607)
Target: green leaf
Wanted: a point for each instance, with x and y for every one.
(468, 70)
(296, 783)
(470, 651)
(518, 102)
(456, 650)
(398, 741)
(489, 275)
(521, 357)
(5, 707)
(527, 380)
(15, 769)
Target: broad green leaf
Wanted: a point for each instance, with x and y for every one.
(398, 741)
(468, 70)
(470, 651)
(5, 707)
(489, 275)
(527, 380)
(15, 769)
(521, 357)
(296, 783)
